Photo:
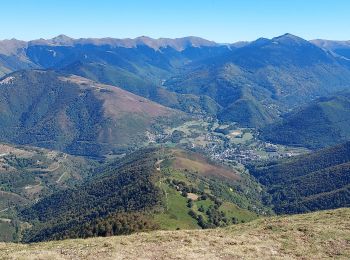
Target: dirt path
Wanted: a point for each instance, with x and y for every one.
(160, 181)
(59, 179)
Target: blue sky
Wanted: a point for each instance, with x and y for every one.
(219, 20)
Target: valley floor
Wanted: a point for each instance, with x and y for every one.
(323, 234)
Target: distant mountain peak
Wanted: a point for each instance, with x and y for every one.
(10, 47)
(288, 38)
(288, 35)
(260, 41)
(62, 37)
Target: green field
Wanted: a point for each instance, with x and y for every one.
(241, 215)
(207, 199)
(242, 140)
(176, 212)
(7, 230)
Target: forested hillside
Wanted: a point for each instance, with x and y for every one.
(319, 180)
(323, 123)
(149, 189)
(75, 115)
(28, 174)
(114, 202)
(264, 78)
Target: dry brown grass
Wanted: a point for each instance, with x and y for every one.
(199, 164)
(317, 235)
(118, 102)
(192, 196)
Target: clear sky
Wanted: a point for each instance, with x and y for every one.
(218, 20)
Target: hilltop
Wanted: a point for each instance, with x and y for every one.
(316, 235)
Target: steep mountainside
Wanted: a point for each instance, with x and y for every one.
(318, 235)
(13, 56)
(138, 65)
(320, 180)
(264, 78)
(136, 82)
(28, 174)
(149, 189)
(119, 197)
(259, 80)
(322, 123)
(73, 114)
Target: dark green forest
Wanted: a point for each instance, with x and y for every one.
(319, 180)
(107, 198)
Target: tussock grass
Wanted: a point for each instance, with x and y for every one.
(316, 235)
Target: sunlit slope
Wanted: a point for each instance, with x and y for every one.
(317, 235)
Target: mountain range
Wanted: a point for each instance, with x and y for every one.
(288, 88)
(108, 136)
(251, 83)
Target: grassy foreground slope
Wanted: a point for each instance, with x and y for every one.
(317, 235)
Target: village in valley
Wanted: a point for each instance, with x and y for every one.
(227, 143)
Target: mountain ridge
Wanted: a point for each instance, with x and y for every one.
(63, 40)
(74, 114)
